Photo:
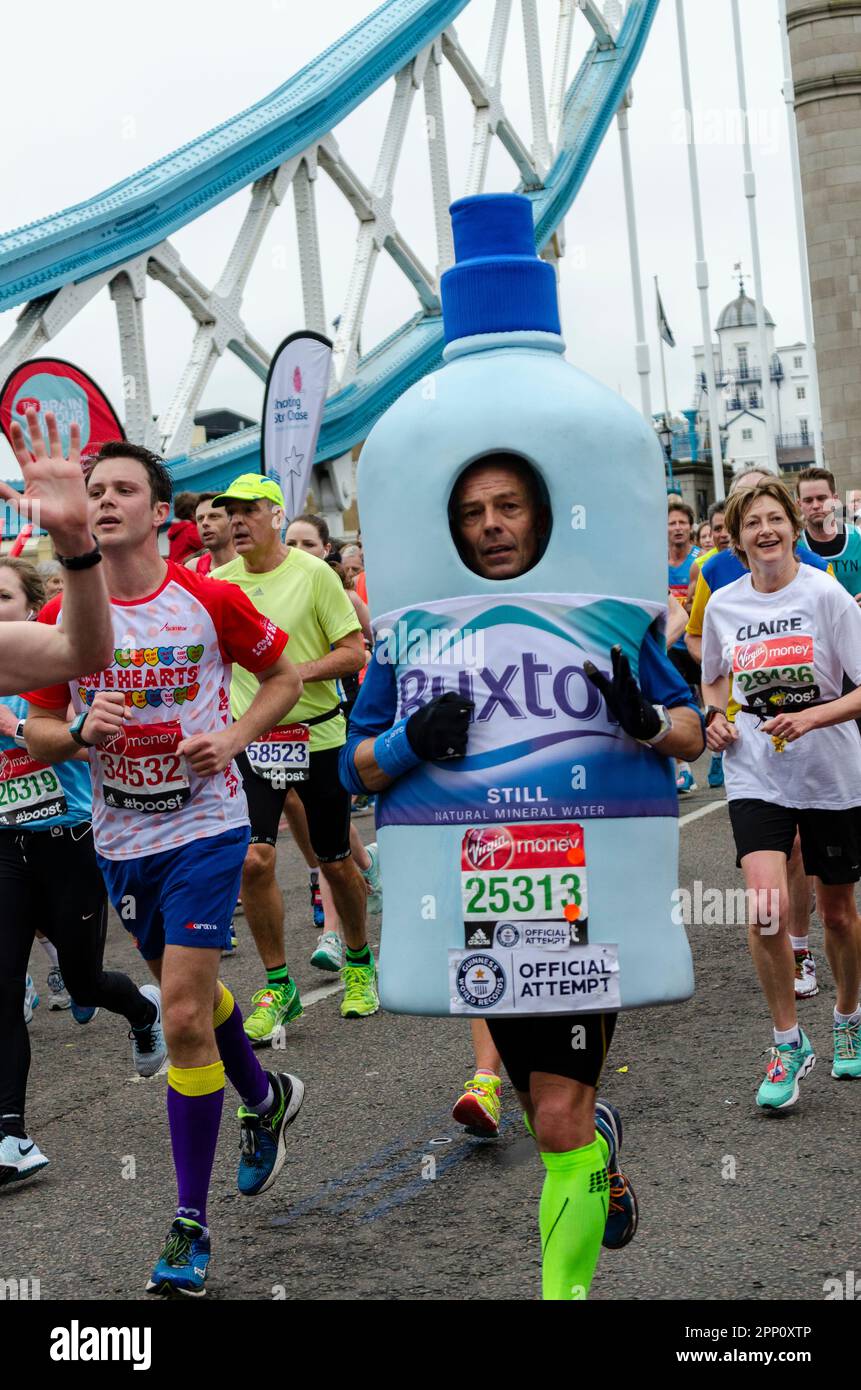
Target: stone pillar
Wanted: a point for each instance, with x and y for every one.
(825, 44)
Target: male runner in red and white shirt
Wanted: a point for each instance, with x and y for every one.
(170, 820)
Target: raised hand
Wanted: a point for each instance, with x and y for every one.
(55, 495)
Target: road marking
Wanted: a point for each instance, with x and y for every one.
(323, 993)
(703, 811)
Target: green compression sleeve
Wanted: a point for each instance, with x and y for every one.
(572, 1216)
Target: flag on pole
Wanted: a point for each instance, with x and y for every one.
(663, 327)
(292, 411)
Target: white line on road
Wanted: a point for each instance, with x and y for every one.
(703, 811)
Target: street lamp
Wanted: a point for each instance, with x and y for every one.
(665, 434)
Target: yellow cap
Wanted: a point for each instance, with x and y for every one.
(251, 487)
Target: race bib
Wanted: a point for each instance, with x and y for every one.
(776, 674)
(526, 930)
(142, 771)
(29, 790)
(282, 755)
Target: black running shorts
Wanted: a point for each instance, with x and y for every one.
(326, 802)
(830, 840)
(570, 1045)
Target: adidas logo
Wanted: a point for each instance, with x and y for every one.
(257, 593)
(479, 939)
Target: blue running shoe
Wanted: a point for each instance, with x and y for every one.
(685, 781)
(182, 1267)
(715, 773)
(316, 901)
(83, 1014)
(263, 1139)
(623, 1212)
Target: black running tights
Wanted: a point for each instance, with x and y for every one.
(52, 882)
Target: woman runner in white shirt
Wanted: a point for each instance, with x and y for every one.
(786, 633)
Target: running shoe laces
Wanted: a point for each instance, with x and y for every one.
(143, 1038)
(248, 1132)
(844, 1042)
(776, 1069)
(618, 1191)
(478, 1087)
(177, 1250)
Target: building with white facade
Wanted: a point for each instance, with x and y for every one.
(741, 381)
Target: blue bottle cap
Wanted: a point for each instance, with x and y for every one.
(499, 284)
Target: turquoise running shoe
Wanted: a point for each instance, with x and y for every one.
(263, 1139)
(371, 875)
(329, 952)
(184, 1263)
(83, 1013)
(787, 1066)
(31, 999)
(623, 1211)
(847, 1050)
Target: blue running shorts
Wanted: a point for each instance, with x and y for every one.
(182, 897)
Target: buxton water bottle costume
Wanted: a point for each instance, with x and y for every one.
(529, 868)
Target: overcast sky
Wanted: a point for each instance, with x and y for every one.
(116, 88)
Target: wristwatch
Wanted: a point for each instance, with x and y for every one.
(81, 562)
(666, 725)
(711, 711)
(18, 736)
(75, 731)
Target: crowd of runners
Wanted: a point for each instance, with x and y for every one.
(169, 722)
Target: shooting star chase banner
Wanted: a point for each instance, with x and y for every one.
(49, 383)
(292, 411)
(538, 724)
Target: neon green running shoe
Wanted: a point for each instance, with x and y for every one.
(360, 991)
(480, 1107)
(847, 1050)
(275, 1006)
(786, 1068)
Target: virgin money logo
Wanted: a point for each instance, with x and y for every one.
(773, 652)
(489, 849)
(27, 403)
(297, 379)
(750, 658)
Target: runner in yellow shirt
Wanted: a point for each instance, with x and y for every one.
(301, 753)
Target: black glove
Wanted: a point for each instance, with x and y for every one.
(440, 728)
(624, 698)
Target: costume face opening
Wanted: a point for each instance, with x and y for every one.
(499, 514)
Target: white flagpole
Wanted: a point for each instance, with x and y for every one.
(750, 195)
(642, 346)
(801, 236)
(701, 267)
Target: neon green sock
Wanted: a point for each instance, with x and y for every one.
(572, 1216)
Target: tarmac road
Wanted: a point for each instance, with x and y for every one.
(734, 1204)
